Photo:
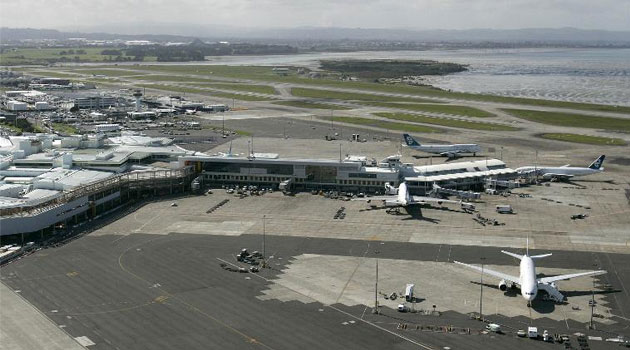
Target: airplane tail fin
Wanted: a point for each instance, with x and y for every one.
(512, 254)
(410, 141)
(597, 164)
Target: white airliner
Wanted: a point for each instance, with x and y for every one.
(564, 172)
(450, 151)
(527, 280)
(400, 198)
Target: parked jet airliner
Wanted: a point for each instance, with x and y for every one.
(564, 172)
(450, 151)
(401, 198)
(527, 280)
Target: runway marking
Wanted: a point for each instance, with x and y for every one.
(623, 287)
(148, 222)
(360, 261)
(119, 238)
(438, 253)
(364, 310)
(621, 317)
(424, 346)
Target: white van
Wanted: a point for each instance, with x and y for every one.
(532, 332)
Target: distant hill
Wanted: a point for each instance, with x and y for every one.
(184, 32)
(15, 34)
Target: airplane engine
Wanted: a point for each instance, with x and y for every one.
(503, 286)
(390, 190)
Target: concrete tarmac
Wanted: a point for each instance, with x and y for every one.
(170, 291)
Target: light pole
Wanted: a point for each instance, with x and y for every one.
(263, 242)
(481, 291)
(375, 311)
(592, 303)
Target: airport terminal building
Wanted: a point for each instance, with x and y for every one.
(354, 173)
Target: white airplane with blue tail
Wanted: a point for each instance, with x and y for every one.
(529, 283)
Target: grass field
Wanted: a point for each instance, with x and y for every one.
(350, 96)
(18, 56)
(384, 124)
(174, 78)
(11, 127)
(572, 120)
(455, 123)
(260, 89)
(52, 74)
(314, 105)
(65, 128)
(189, 90)
(436, 108)
(107, 72)
(180, 89)
(241, 96)
(591, 140)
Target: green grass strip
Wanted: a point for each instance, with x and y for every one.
(65, 128)
(455, 123)
(172, 88)
(313, 105)
(178, 78)
(260, 89)
(591, 140)
(572, 120)
(436, 108)
(107, 72)
(189, 90)
(340, 95)
(241, 96)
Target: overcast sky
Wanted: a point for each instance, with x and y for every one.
(409, 14)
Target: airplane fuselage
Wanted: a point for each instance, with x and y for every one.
(529, 284)
(439, 149)
(568, 171)
(403, 195)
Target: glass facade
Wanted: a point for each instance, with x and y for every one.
(321, 174)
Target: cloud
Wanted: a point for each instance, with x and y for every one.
(416, 14)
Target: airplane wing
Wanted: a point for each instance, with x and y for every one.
(529, 172)
(498, 274)
(450, 154)
(420, 200)
(375, 198)
(569, 276)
